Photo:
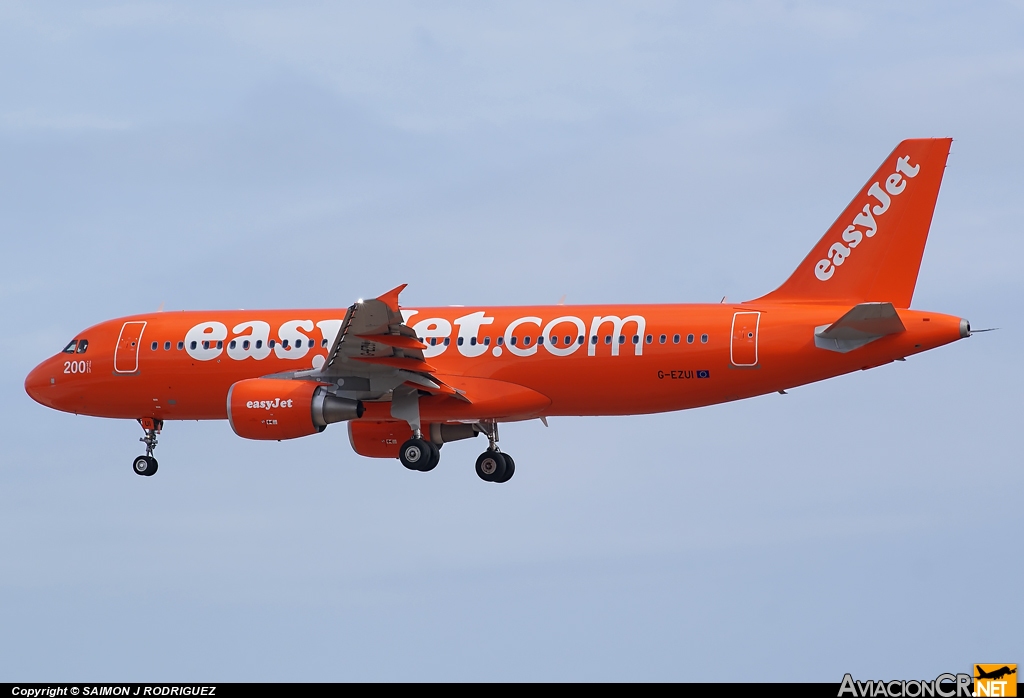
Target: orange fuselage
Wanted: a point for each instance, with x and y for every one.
(659, 358)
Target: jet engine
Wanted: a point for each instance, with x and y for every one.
(272, 409)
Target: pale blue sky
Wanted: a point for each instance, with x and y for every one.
(257, 155)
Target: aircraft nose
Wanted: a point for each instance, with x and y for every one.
(38, 381)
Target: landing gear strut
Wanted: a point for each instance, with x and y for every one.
(493, 465)
(147, 465)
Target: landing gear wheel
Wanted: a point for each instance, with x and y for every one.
(510, 468)
(490, 466)
(415, 454)
(433, 460)
(144, 465)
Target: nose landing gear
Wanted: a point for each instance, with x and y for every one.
(147, 465)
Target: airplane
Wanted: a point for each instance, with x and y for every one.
(995, 674)
(409, 380)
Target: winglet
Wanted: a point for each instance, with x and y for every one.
(391, 297)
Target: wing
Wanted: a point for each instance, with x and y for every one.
(376, 352)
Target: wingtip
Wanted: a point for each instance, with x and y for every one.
(391, 297)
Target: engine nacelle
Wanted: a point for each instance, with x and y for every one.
(272, 409)
(383, 439)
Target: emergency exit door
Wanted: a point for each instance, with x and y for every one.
(126, 353)
(743, 348)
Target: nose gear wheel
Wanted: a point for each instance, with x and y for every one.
(147, 465)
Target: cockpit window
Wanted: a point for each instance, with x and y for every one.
(70, 348)
(83, 344)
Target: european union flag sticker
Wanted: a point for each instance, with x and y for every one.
(703, 374)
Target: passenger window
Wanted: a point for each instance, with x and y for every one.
(154, 345)
(472, 341)
(259, 343)
(271, 343)
(662, 339)
(703, 339)
(607, 339)
(232, 344)
(323, 342)
(593, 339)
(650, 338)
(447, 341)
(459, 341)
(689, 339)
(206, 345)
(167, 346)
(568, 340)
(181, 345)
(311, 344)
(193, 345)
(675, 339)
(501, 340)
(220, 344)
(83, 344)
(284, 343)
(513, 341)
(245, 343)
(580, 339)
(487, 341)
(622, 339)
(70, 348)
(636, 339)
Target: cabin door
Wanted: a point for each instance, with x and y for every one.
(743, 347)
(126, 353)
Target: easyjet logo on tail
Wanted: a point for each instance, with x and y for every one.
(864, 223)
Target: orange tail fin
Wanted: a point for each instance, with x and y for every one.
(872, 253)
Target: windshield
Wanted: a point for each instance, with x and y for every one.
(70, 348)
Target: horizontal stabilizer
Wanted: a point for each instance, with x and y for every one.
(864, 323)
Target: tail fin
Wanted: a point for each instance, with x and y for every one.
(872, 253)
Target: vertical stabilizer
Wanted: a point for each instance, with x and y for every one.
(872, 253)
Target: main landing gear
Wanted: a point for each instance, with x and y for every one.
(493, 465)
(423, 454)
(419, 454)
(147, 465)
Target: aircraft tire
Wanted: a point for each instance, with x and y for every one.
(490, 466)
(510, 468)
(415, 454)
(144, 465)
(435, 457)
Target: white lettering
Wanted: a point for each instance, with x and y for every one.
(883, 198)
(208, 332)
(549, 330)
(903, 165)
(469, 330)
(436, 329)
(824, 270)
(518, 350)
(852, 236)
(894, 184)
(246, 345)
(865, 219)
(329, 330)
(617, 328)
(298, 343)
